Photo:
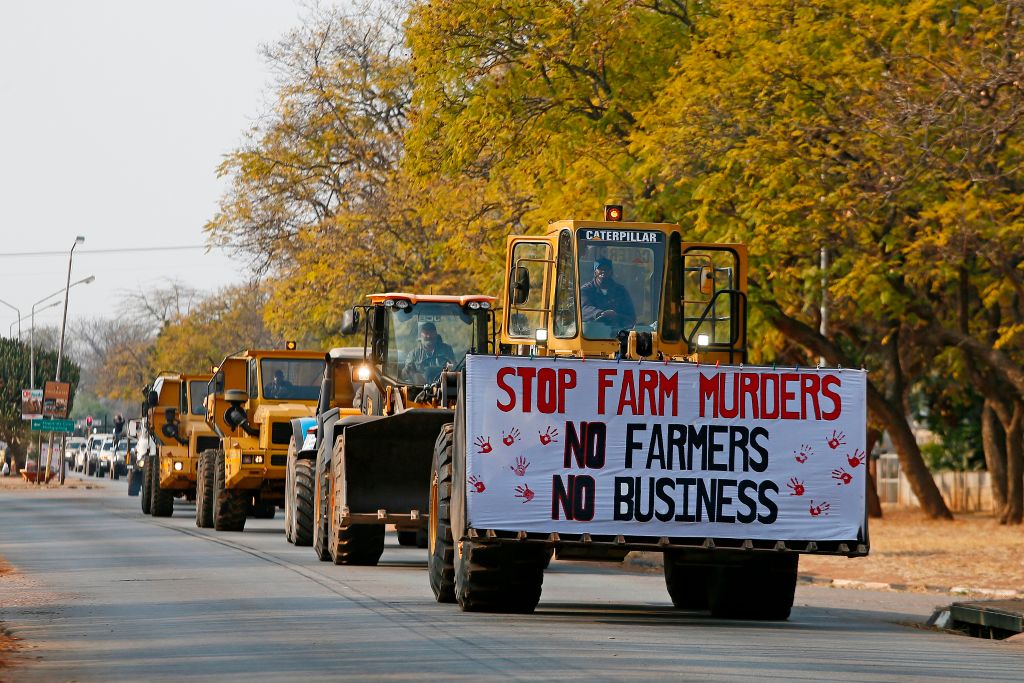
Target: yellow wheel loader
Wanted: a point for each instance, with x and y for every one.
(176, 424)
(620, 415)
(371, 469)
(253, 398)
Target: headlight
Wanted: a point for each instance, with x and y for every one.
(473, 305)
(363, 373)
(178, 467)
(388, 303)
(485, 304)
(402, 303)
(703, 340)
(258, 459)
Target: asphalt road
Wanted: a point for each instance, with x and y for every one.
(105, 593)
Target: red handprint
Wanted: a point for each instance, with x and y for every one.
(520, 467)
(523, 491)
(817, 510)
(548, 436)
(510, 438)
(477, 484)
(801, 454)
(797, 486)
(843, 476)
(836, 440)
(857, 459)
(484, 444)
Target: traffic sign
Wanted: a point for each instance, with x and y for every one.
(48, 425)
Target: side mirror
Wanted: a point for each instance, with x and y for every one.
(170, 430)
(170, 414)
(707, 280)
(521, 286)
(350, 321)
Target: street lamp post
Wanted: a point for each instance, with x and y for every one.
(32, 329)
(16, 310)
(60, 352)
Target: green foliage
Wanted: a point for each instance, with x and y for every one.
(15, 369)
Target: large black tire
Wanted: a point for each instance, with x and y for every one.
(321, 526)
(302, 508)
(162, 504)
(688, 583)
(229, 507)
(358, 544)
(134, 482)
(441, 549)
(147, 484)
(499, 577)
(761, 588)
(289, 493)
(407, 538)
(204, 489)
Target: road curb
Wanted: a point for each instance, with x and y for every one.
(652, 561)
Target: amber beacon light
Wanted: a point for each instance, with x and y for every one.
(613, 212)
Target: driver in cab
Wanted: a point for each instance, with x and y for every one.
(605, 300)
(429, 358)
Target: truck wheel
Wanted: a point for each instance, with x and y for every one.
(358, 544)
(320, 524)
(687, 583)
(761, 588)
(302, 506)
(229, 508)
(134, 482)
(499, 577)
(441, 549)
(147, 484)
(289, 493)
(162, 504)
(407, 538)
(204, 490)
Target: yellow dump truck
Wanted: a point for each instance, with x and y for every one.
(253, 398)
(175, 421)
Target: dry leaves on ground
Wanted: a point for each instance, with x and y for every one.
(973, 551)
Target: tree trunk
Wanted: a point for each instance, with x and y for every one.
(993, 442)
(874, 504)
(883, 413)
(1013, 512)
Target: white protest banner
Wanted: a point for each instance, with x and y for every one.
(658, 449)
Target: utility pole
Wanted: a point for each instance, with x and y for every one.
(823, 327)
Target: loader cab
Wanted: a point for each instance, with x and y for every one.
(619, 289)
(413, 338)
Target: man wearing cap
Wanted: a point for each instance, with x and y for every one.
(605, 300)
(429, 358)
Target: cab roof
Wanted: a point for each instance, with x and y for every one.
(278, 353)
(461, 300)
(611, 225)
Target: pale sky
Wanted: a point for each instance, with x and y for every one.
(113, 117)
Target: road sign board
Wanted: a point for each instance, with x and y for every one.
(48, 425)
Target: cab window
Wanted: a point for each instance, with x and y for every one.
(527, 288)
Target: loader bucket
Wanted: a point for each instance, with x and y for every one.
(387, 461)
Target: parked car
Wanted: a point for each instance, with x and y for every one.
(105, 457)
(74, 446)
(95, 445)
